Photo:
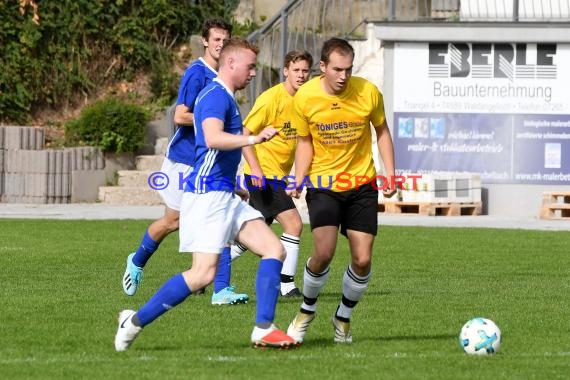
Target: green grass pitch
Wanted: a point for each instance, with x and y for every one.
(60, 293)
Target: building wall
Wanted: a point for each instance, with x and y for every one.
(258, 10)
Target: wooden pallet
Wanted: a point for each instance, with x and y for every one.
(431, 209)
(555, 205)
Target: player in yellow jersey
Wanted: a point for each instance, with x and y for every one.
(268, 164)
(333, 115)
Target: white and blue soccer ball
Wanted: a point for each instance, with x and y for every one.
(480, 336)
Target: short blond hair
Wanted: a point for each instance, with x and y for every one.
(235, 44)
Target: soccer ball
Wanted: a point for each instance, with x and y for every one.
(480, 336)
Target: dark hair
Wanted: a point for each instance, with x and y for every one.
(339, 45)
(237, 43)
(297, 55)
(215, 23)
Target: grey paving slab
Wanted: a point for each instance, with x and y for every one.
(99, 211)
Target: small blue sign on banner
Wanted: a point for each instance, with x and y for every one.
(503, 148)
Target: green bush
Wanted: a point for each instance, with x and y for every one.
(112, 125)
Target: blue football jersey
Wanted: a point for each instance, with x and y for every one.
(197, 76)
(215, 170)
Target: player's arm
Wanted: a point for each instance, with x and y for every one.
(257, 118)
(251, 158)
(183, 115)
(190, 87)
(303, 159)
(386, 150)
(216, 138)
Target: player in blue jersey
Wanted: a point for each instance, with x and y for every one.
(274, 161)
(212, 214)
(180, 159)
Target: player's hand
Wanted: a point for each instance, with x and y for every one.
(388, 193)
(267, 134)
(257, 177)
(243, 194)
(294, 193)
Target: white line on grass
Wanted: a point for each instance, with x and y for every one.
(83, 358)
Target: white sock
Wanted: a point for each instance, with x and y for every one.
(286, 287)
(312, 285)
(353, 288)
(291, 244)
(237, 250)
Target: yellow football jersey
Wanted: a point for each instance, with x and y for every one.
(340, 128)
(273, 109)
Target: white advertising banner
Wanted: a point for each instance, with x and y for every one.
(482, 77)
(500, 110)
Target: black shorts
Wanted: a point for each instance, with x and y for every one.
(271, 199)
(351, 210)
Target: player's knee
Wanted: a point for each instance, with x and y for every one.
(172, 223)
(276, 251)
(293, 226)
(297, 227)
(361, 265)
(199, 278)
(282, 252)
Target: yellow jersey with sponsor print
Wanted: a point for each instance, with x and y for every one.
(341, 132)
(273, 109)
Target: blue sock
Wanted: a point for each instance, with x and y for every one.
(224, 272)
(173, 292)
(267, 289)
(145, 250)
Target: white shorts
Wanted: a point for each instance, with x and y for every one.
(175, 173)
(211, 221)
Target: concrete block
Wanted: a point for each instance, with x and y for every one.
(57, 184)
(443, 188)
(13, 184)
(51, 162)
(134, 178)
(149, 163)
(35, 161)
(129, 196)
(85, 158)
(33, 138)
(35, 185)
(33, 200)
(28, 189)
(39, 139)
(28, 138)
(11, 162)
(12, 138)
(98, 162)
(66, 185)
(2, 138)
(85, 185)
(161, 145)
(66, 164)
(59, 161)
(50, 184)
(14, 199)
